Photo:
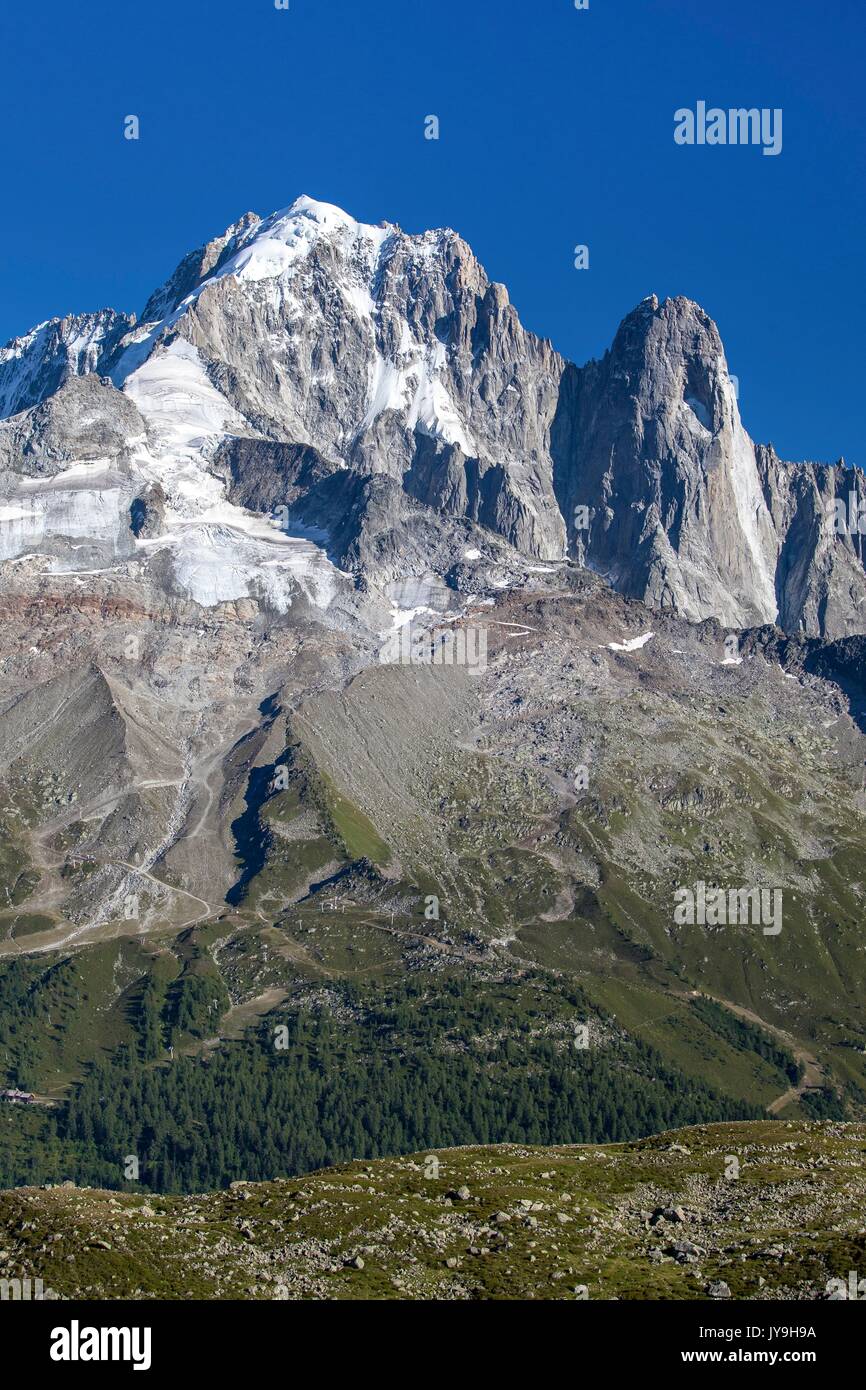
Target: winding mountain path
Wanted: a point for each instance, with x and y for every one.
(814, 1075)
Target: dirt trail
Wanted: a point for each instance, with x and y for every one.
(814, 1076)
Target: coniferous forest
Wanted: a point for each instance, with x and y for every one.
(384, 1072)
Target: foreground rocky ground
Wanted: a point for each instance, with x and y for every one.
(765, 1210)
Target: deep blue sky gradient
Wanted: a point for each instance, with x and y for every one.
(556, 128)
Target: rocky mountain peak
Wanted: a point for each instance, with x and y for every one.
(388, 353)
(195, 267)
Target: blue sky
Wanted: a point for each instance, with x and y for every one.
(556, 128)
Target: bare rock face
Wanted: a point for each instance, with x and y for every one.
(819, 512)
(667, 497)
(375, 393)
(651, 446)
(194, 268)
(85, 420)
(147, 513)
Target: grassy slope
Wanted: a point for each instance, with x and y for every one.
(576, 1216)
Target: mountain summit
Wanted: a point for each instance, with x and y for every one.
(379, 395)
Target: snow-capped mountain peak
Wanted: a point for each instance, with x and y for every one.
(292, 360)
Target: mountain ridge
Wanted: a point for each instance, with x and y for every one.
(394, 355)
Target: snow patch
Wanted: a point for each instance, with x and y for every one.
(173, 393)
(632, 644)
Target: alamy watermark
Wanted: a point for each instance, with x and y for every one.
(24, 1290)
(718, 907)
(77, 1343)
(854, 1289)
(848, 516)
(736, 126)
(416, 646)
